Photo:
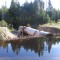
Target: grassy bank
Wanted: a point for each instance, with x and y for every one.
(53, 24)
(51, 27)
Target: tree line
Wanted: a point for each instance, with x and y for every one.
(29, 13)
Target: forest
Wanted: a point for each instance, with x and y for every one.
(32, 13)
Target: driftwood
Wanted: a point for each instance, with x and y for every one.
(33, 32)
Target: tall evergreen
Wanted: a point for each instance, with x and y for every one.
(49, 10)
(29, 13)
(37, 6)
(14, 11)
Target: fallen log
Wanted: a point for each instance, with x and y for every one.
(6, 35)
(33, 32)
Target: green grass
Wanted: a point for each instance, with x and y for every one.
(53, 24)
(11, 29)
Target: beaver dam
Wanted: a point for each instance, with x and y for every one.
(6, 35)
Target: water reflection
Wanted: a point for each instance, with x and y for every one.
(16, 45)
(37, 45)
(4, 45)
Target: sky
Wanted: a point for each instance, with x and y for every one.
(8, 2)
(55, 3)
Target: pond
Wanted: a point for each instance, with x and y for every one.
(44, 48)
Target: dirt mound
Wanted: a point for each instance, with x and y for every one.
(5, 34)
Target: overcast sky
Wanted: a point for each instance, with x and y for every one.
(55, 3)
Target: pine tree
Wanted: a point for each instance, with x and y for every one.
(50, 5)
(49, 10)
(14, 11)
(37, 6)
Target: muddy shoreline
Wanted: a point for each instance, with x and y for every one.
(53, 30)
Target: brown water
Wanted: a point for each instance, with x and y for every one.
(33, 49)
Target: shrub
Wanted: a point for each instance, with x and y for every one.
(3, 23)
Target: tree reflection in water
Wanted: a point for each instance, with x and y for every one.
(37, 45)
(4, 45)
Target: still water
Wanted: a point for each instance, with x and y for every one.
(46, 48)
